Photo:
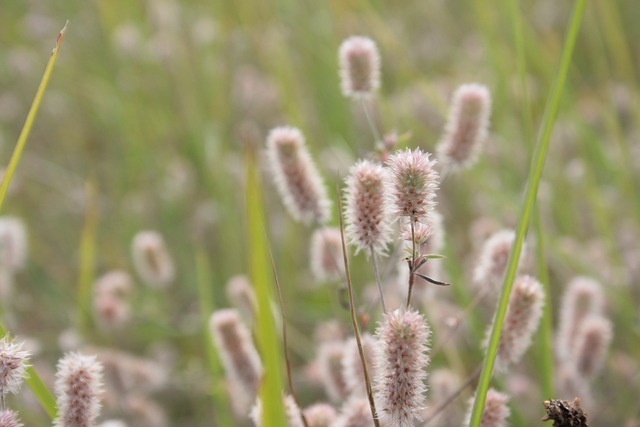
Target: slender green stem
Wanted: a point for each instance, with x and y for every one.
(37, 386)
(31, 116)
(206, 306)
(533, 181)
(354, 320)
(545, 331)
(372, 125)
(271, 387)
(413, 261)
(285, 343)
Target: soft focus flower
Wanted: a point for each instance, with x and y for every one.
(359, 67)
(296, 177)
(467, 126)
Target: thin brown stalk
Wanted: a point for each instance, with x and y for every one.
(375, 269)
(284, 334)
(354, 319)
(441, 407)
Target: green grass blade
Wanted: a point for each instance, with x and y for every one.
(87, 262)
(42, 393)
(37, 386)
(268, 343)
(28, 124)
(544, 350)
(535, 173)
(205, 300)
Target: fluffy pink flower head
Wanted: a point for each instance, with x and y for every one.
(521, 321)
(320, 415)
(359, 67)
(242, 296)
(151, 258)
(13, 364)
(367, 214)
(9, 419)
(13, 243)
(413, 184)
(466, 127)
(78, 387)
(583, 298)
(493, 259)
(355, 413)
(330, 356)
(296, 177)
(401, 367)
(495, 410)
(592, 342)
(239, 356)
(110, 302)
(326, 254)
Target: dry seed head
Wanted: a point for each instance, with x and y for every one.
(493, 259)
(521, 321)
(467, 126)
(13, 243)
(495, 410)
(413, 184)
(582, 298)
(359, 67)
(296, 177)
(78, 387)
(352, 371)
(9, 419)
(238, 354)
(355, 413)
(326, 254)
(592, 342)
(330, 356)
(320, 415)
(13, 364)
(151, 258)
(367, 213)
(401, 365)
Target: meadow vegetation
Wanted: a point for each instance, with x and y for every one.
(171, 240)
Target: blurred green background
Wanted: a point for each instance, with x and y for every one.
(153, 103)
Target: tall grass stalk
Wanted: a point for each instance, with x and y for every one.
(31, 116)
(271, 388)
(37, 386)
(544, 336)
(204, 282)
(354, 320)
(535, 173)
(86, 261)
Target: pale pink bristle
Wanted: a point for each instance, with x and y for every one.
(367, 213)
(296, 177)
(359, 67)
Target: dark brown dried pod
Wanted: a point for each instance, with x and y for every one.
(565, 414)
